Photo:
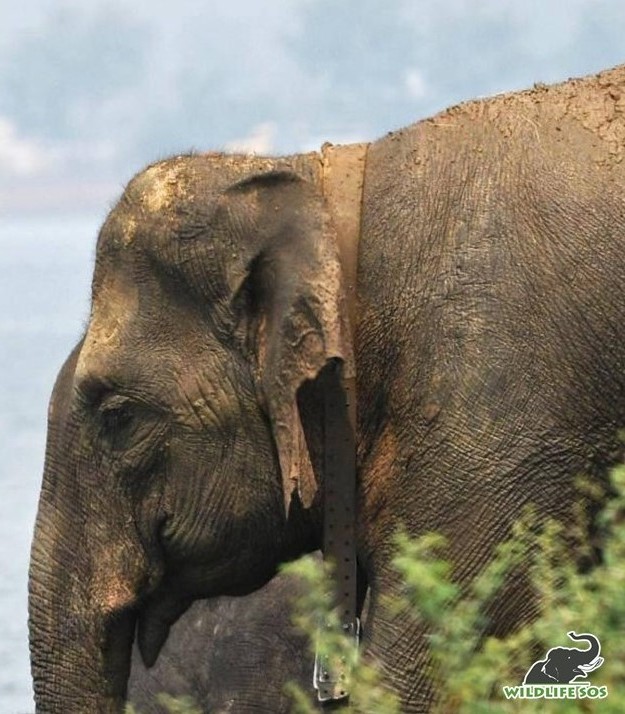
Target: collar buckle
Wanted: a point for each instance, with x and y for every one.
(332, 674)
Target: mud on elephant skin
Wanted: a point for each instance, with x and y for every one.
(489, 347)
(229, 655)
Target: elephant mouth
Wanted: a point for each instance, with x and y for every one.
(154, 622)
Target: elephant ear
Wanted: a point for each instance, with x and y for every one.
(287, 290)
(550, 669)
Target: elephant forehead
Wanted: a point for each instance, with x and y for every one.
(159, 185)
(114, 307)
(150, 197)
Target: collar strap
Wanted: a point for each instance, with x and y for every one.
(342, 170)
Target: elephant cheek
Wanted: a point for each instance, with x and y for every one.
(112, 593)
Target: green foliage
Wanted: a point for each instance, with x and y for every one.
(469, 669)
(314, 607)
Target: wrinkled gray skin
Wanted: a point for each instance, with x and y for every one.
(228, 655)
(490, 351)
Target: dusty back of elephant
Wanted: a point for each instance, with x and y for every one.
(229, 654)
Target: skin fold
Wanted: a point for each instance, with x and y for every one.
(490, 356)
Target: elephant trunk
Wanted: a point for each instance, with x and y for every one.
(88, 572)
(80, 644)
(592, 652)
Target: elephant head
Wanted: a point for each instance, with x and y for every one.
(579, 663)
(564, 664)
(185, 420)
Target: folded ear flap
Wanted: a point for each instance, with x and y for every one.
(550, 668)
(291, 292)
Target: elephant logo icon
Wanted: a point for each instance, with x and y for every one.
(567, 665)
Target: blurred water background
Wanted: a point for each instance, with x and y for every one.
(44, 289)
(90, 92)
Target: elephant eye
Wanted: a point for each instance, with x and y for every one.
(115, 415)
(115, 418)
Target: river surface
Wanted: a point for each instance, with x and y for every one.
(45, 274)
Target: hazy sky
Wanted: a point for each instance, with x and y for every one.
(92, 90)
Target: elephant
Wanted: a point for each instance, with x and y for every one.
(484, 327)
(563, 665)
(229, 654)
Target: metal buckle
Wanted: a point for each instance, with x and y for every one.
(332, 674)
